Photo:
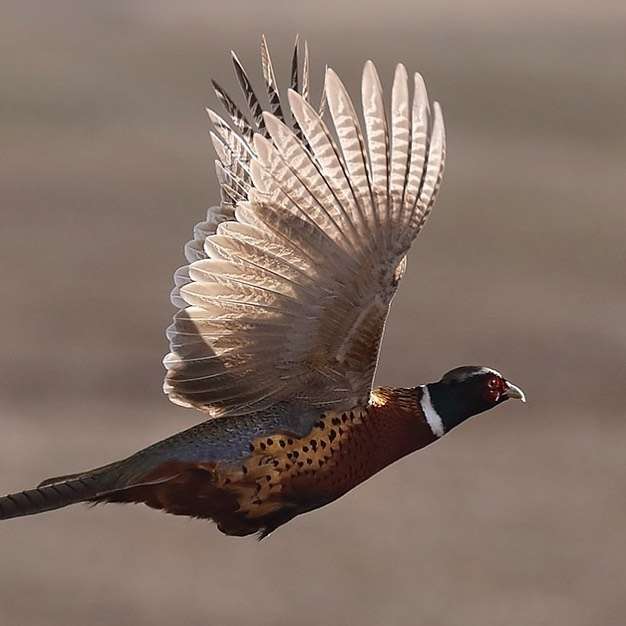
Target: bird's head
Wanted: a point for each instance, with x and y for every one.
(466, 391)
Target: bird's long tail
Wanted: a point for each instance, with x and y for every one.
(56, 493)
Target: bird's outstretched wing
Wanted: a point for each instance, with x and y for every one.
(290, 280)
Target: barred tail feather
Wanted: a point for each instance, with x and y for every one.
(52, 494)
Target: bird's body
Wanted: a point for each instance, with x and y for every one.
(282, 309)
(266, 473)
(272, 466)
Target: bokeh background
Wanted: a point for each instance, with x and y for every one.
(518, 517)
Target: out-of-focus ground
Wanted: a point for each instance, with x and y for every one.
(516, 519)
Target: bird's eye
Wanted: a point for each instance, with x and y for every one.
(493, 383)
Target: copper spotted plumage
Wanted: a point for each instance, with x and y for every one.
(282, 306)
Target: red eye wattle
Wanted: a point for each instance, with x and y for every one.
(494, 388)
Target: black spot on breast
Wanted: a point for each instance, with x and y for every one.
(332, 435)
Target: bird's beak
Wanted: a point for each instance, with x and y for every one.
(513, 391)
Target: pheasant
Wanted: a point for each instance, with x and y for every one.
(281, 310)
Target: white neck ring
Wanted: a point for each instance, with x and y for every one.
(432, 417)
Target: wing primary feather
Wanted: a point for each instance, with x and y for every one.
(400, 143)
(306, 72)
(239, 119)
(256, 110)
(301, 176)
(323, 102)
(329, 162)
(420, 123)
(434, 168)
(294, 81)
(377, 143)
(439, 116)
(270, 80)
(352, 146)
(229, 159)
(432, 172)
(238, 148)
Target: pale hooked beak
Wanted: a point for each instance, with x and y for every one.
(513, 391)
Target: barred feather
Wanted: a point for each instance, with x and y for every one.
(239, 119)
(270, 80)
(256, 110)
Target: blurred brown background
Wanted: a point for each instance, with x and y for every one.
(517, 518)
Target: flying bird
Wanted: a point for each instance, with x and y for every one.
(281, 310)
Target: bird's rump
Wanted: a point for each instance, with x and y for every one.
(290, 279)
